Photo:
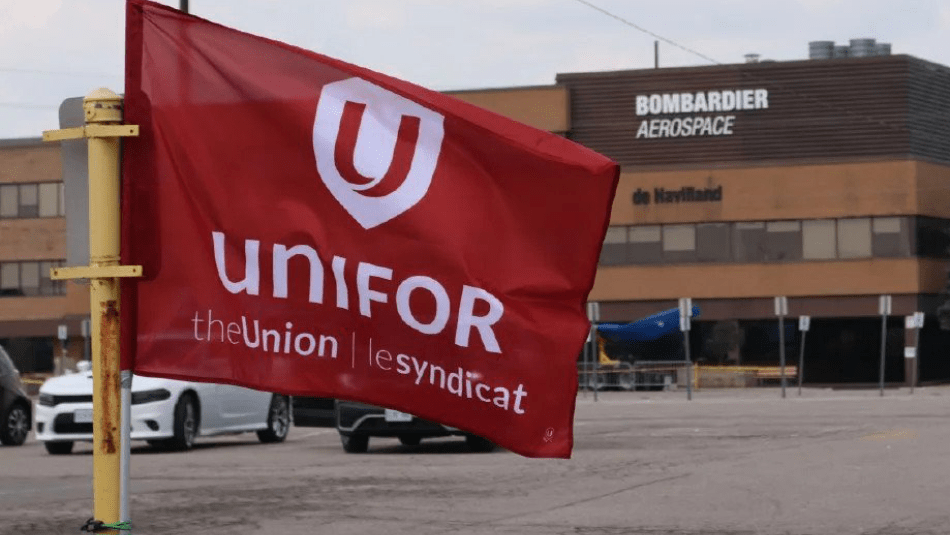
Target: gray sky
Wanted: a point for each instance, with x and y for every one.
(54, 49)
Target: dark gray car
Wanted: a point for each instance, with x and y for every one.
(357, 422)
(16, 414)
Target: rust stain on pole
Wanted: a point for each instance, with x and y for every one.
(109, 342)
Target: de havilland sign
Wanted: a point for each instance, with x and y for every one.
(685, 194)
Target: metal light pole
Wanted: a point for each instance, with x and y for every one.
(911, 356)
(781, 310)
(686, 312)
(593, 314)
(803, 324)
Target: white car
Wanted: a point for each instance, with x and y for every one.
(167, 413)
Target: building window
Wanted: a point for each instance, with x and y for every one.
(818, 239)
(679, 243)
(31, 200)
(854, 238)
(646, 245)
(777, 241)
(886, 225)
(890, 237)
(9, 200)
(47, 285)
(30, 279)
(679, 238)
(713, 242)
(10, 278)
(933, 237)
(749, 242)
(783, 241)
(614, 252)
(49, 199)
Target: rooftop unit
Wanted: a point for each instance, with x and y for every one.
(857, 48)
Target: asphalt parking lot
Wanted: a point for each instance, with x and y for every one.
(727, 462)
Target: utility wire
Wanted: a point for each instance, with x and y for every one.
(646, 31)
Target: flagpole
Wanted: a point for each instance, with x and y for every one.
(103, 128)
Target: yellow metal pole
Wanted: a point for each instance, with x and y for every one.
(104, 107)
(103, 128)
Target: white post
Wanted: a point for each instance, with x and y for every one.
(885, 310)
(686, 312)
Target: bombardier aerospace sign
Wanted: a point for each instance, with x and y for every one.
(693, 112)
(313, 228)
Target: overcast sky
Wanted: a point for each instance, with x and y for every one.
(54, 49)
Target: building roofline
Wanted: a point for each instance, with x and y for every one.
(21, 142)
(507, 88)
(562, 77)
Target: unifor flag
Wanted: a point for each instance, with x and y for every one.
(314, 228)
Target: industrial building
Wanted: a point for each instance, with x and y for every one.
(34, 308)
(824, 180)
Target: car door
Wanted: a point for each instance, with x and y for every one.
(242, 408)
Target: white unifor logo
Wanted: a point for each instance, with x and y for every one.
(376, 151)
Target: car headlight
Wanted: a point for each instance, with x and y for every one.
(47, 400)
(150, 396)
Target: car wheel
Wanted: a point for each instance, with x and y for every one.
(354, 443)
(409, 440)
(186, 424)
(59, 448)
(479, 444)
(278, 420)
(16, 425)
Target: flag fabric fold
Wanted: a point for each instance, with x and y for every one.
(315, 228)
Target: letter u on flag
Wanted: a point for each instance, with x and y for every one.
(314, 228)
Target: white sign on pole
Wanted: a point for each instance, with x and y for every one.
(884, 307)
(804, 322)
(686, 307)
(781, 306)
(910, 352)
(61, 332)
(75, 165)
(910, 322)
(593, 311)
(919, 320)
(686, 311)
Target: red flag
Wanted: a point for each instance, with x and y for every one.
(311, 227)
